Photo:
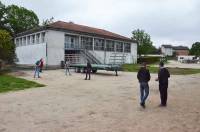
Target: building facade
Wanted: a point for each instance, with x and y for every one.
(167, 50)
(181, 50)
(62, 41)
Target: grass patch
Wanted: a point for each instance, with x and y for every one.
(11, 83)
(153, 69)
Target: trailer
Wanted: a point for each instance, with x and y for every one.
(108, 67)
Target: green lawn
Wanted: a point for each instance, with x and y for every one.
(11, 83)
(152, 69)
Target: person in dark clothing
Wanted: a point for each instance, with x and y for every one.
(41, 64)
(143, 76)
(88, 70)
(163, 75)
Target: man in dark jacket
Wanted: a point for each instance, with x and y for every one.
(88, 70)
(143, 77)
(163, 75)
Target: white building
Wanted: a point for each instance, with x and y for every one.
(61, 41)
(167, 50)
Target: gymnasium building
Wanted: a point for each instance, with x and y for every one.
(67, 41)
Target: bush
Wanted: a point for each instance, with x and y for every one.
(7, 47)
(149, 59)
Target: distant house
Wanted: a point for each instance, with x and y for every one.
(169, 50)
(181, 50)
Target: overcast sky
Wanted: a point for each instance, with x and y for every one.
(174, 22)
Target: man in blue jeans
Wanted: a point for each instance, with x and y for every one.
(37, 69)
(143, 77)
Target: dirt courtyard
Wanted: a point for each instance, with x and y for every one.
(105, 104)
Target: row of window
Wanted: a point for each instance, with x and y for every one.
(30, 39)
(99, 44)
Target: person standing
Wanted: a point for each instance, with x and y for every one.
(37, 69)
(41, 64)
(143, 76)
(67, 64)
(88, 71)
(163, 75)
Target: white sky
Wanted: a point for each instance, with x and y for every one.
(174, 22)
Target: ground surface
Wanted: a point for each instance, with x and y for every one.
(104, 104)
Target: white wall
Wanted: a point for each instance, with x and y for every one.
(55, 47)
(28, 55)
(167, 51)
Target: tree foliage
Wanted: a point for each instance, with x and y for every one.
(21, 19)
(145, 45)
(48, 21)
(195, 50)
(3, 20)
(7, 48)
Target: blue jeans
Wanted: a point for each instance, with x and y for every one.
(67, 71)
(144, 91)
(37, 71)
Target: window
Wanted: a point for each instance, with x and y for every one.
(127, 47)
(28, 40)
(37, 38)
(17, 42)
(98, 44)
(110, 45)
(24, 41)
(119, 46)
(71, 42)
(43, 37)
(20, 42)
(87, 43)
(33, 39)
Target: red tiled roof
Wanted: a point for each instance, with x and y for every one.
(85, 29)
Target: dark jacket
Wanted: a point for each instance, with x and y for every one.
(89, 66)
(163, 76)
(143, 75)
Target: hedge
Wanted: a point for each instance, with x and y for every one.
(149, 59)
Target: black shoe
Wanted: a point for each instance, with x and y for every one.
(143, 105)
(162, 105)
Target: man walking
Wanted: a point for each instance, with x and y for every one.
(143, 77)
(163, 75)
(88, 70)
(67, 64)
(37, 69)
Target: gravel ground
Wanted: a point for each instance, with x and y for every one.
(105, 104)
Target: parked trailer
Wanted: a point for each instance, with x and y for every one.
(95, 67)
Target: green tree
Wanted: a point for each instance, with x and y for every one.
(48, 21)
(145, 45)
(7, 48)
(3, 20)
(20, 19)
(195, 50)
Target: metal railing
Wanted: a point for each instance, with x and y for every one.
(117, 58)
(73, 58)
(90, 57)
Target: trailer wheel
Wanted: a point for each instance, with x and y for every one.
(94, 71)
(78, 70)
